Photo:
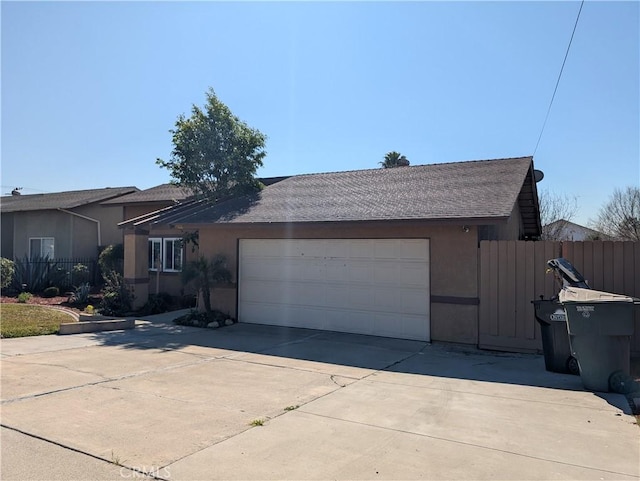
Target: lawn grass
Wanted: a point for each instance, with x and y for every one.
(19, 320)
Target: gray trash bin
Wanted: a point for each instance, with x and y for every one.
(555, 338)
(600, 327)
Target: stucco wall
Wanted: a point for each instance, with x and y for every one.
(510, 230)
(47, 223)
(136, 210)
(74, 236)
(109, 216)
(6, 230)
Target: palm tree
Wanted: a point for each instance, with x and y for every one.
(394, 159)
(204, 273)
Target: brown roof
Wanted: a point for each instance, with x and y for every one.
(168, 193)
(60, 200)
(477, 190)
(159, 193)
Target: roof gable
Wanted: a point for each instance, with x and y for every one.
(60, 200)
(484, 190)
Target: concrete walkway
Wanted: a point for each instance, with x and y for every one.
(183, 403)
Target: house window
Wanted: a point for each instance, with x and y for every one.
(165, 254)
(173, 255)
(41, 246)
(155, 254)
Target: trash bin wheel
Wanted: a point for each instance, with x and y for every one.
(620, 383)
(572, 365)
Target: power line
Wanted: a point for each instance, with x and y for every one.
(558, 81)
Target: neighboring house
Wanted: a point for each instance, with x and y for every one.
(564, 230)
(74, 224)
(388, 252)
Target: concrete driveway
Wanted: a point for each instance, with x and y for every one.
(178, 403)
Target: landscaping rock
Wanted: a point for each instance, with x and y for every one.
(228, 322)
(213, 325)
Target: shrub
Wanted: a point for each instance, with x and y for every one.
(23, 297)
(203, 319)
(157, 304)
(111, 259)
(117, 297)
(80, 294)
(7, 270)
(80, 274)
(51, 292)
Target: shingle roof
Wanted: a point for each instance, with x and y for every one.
(168, 193)
(475, 190)
(60, 200)
(160, 193)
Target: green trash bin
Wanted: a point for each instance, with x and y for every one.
(600, 326)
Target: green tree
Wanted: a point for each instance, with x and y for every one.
(619, 218)
(215, 154)
(204, 273)
(394, 159)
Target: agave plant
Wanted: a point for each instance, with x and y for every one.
(36, 274)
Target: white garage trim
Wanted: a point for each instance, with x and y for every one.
(367, 286)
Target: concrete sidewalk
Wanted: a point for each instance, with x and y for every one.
(179, 402)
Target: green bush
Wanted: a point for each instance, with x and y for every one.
(203, 319)
(7, 270)
(157, 304)
(111, 259)
(23, 297)
(117, 298)
(80, 274)
(51, 292)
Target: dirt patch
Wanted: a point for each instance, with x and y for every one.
(59, 302)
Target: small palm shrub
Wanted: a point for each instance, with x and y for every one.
(204, 273)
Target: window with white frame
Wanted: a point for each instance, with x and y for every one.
(165, 254)
(172, 255)
(41, 246)
(155, 254)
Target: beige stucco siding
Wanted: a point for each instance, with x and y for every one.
(109, 216)
(75, 235)
(49, 223)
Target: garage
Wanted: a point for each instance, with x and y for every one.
(367, 286)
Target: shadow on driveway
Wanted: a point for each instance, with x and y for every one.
(442, 360)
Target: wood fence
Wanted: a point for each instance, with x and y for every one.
(513, 273)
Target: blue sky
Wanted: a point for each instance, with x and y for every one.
(91, 89)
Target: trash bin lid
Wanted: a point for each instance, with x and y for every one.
(569, 273)
(578, 294)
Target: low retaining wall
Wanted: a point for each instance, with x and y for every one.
(96, 326)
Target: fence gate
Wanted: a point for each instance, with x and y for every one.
(512, 274)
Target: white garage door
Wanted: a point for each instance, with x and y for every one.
(367, 286)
